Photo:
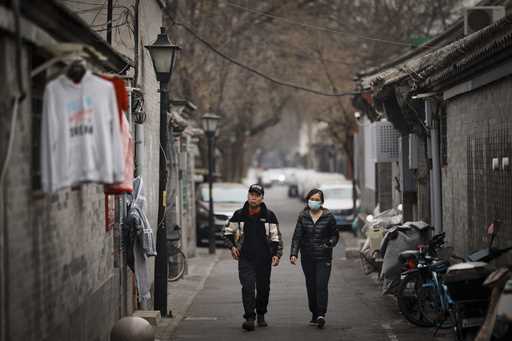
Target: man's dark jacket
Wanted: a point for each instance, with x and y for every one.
(314, 240)
(234, 230)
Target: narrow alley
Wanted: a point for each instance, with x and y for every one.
(142, 141)
(357, 310)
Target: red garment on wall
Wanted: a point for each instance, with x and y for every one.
(126, 138)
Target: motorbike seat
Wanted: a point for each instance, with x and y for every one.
(440, 266)
(406, 255)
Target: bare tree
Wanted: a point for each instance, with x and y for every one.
(318, 44)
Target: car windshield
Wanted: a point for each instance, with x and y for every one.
(338, 193)
(225, 194)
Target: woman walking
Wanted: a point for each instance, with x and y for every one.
(315, 235)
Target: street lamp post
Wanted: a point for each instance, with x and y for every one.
(210, 128)
(163, 55)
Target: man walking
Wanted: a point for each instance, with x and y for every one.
(252, 234)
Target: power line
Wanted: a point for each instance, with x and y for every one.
(98, 13)
(116, 20)
(285, 47)
(84, 2)
(318, 28)
(259, 73)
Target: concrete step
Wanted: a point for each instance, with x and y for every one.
(152, 316)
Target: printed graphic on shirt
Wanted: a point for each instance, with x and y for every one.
(80, 117)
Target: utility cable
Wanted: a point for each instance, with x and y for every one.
(99, 11)
(318, 28)
(11, 139)
(259, 73)
(17, 98)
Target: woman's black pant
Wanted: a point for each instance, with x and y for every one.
(317, 273)
(255, 280)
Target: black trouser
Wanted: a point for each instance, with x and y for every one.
(254, 276)
(317, 273)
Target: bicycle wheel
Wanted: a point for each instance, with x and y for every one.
(176, 265)
(408, 299)
(432, 307)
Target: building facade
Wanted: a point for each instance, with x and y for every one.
(62, 273)
(449, 102)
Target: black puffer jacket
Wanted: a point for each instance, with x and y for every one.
(314, 240)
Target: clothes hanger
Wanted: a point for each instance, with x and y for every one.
(76, 70)
(66, 53)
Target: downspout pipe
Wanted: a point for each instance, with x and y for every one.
(436, 198)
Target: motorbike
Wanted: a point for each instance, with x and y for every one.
(465, 284)
(433, 293)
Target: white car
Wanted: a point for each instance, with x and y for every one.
(272, 177)
(338, 200)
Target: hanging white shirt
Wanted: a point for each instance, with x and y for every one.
(80, 137)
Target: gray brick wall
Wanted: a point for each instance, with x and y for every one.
(475, 120)
(57, 254)
(57, 272)
(150, 21)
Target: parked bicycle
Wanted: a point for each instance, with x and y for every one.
(176, 257)
(419, 282)
(446, 296)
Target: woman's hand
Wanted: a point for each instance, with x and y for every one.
(275, 261)
(235, 252)
(293, 260)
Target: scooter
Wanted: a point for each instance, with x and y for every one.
(465, 281)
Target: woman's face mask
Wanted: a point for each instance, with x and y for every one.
(314, 205)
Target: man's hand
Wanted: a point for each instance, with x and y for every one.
(235, 252)
(275, 261)
(293, 260)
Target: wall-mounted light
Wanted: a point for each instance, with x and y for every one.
(138, 113)
(495, 164)
(505, 163)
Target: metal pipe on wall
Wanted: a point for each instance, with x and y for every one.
(139, 149)
(110, 10)
(436, 198)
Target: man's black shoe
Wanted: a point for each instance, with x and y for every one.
(261, 321)
(320, 322)
(313, 321)
(248, 325)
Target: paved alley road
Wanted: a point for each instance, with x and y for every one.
(357, 311)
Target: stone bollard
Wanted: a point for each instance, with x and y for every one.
(132, 329)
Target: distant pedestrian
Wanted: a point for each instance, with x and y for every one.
(252, 234)
(315, 236)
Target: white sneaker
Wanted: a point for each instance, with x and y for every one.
(320, 321)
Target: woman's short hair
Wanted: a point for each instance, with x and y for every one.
(313, 192)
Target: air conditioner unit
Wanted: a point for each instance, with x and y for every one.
(477, 18)
(386, 142)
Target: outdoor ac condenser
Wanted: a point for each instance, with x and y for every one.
(477, 18)
(386, 142)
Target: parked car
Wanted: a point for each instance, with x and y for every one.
(227, 198)
(338, 200)
(271, 177)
